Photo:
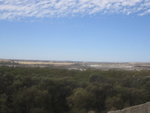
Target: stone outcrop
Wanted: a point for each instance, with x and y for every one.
(143, 108)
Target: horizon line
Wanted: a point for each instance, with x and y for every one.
(48, 60)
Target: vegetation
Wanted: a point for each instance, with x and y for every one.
(44, 90)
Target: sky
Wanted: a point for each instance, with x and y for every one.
(75, 30)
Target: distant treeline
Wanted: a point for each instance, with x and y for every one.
(45, 90)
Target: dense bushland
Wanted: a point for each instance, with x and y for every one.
(44, 90)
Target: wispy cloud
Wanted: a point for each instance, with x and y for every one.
(10, 9)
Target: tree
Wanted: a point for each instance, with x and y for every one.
(80, 101)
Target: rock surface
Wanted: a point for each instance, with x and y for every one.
(143, 108)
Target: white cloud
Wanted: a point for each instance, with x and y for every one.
(144, 13)
(11, 9)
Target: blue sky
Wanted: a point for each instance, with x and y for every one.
(98, 33)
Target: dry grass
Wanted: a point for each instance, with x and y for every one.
(45, 63)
